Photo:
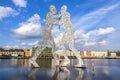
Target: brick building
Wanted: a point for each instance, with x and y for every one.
(85, 53)
(12, 52)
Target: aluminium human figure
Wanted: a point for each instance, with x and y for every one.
(68, 37)
(47, 35)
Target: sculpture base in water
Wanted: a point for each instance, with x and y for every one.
(65, 62)
(34, 63)
(80, 66)
(62, 62)
(57, 62)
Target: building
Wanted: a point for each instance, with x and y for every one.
(1, 50)
(68, 53)
(46, 53)
(12, 52)
(60, 53)
(27, 53)
(93, 53)
(113, 54)
(85, 53)
(99, 54)
(19, 52)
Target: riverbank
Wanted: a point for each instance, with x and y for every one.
(62, 57)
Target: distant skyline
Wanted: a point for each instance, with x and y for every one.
(96, 23)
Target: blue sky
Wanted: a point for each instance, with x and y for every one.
(96, 23)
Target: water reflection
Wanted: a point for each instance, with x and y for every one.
(80, 74)
(97, 69)
(32, 74)
(61, 73)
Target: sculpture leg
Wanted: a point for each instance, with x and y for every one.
(62, 45)
(64, 52)
(52, 43)
(54, 55)
(80, 61)
(66, 61)
(36, 54)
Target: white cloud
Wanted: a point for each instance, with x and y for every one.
(86, 34)
(103, 42)
(90, 44)
(93, 37)
(6, 12)
(11, 46)
(91, 19)
(106, 31)
(80, 34)
(20, 3)
(36, 43)
(29, 29)
(86, 40)
(101, 31)
(58, 39)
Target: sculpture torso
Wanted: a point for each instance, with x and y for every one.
(66, 22)
(50, 20)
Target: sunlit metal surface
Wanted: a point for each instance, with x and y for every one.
(67, 37)
(47, 35)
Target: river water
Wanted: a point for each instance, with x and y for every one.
(97, 69)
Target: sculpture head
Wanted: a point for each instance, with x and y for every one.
(52, 9)
(64, 8)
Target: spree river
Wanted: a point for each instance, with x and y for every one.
(97, 69)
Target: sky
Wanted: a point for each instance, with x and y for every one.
(96, 23)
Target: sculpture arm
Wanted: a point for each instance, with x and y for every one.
(56, 22)
(57, 16)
